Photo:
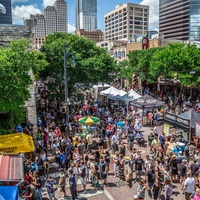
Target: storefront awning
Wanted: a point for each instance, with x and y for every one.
(16, 143)
(11, 168)
(176, 124)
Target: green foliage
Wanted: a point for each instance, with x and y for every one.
(179, 58)
(16, 63)
(92, 63)
(139, 64)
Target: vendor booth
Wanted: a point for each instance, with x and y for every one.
(11, 175)
(185, 123)
(16, 143)
(146, 102)
(8, 192)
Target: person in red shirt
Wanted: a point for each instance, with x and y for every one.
(57, 132)
(85, 109)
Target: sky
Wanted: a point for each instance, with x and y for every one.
(23, 8)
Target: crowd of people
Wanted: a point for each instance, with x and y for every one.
(105, 146)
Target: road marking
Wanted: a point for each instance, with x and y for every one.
(110, 197)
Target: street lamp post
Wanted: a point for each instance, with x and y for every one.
(67, 103)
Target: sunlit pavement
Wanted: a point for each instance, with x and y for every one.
(116, 189)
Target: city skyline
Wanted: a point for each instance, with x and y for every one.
(23, 8)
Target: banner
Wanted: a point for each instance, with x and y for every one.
(16, 143)
(166, 128)
(198, 129)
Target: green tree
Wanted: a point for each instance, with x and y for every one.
(139, 64)
(177, 58)
(16, 62)
(93, 64)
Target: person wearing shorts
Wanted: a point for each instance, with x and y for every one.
(83, 175)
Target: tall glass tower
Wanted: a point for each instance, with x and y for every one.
(180, 19)
(194, 20)
(6, 18)
(86, 15)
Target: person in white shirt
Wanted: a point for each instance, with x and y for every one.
(189, 186)
(114, 141)
(155, 131)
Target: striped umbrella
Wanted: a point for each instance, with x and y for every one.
(89, 120)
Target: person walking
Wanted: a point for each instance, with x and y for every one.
(139, 165)
(83, 175)
(51, 187)
(72, 184)
(121, 167)
(62, 182)
(189, 186)
(150, 179)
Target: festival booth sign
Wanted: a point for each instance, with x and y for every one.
(146, 102)
(16, 143)
(185, 121)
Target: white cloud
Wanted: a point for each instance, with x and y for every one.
(71, 28)
(20, 1)
(48, 3)
(21, 12)
(153, 13)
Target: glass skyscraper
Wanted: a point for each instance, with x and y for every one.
(194, 20)
(180, 19)
(86, 15)
(6, 18)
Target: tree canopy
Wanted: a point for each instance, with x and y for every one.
(177, 58)
(15, 64)
(93, 64)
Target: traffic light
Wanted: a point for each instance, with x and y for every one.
(175, 78)
(134, 79)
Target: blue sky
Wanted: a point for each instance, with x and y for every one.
(23, 9)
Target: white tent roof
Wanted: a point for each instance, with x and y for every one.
(132, 93)
(101, 85)
(111, 91)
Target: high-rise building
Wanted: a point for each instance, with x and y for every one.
(6, 17)
(126, 22)
(180, 19)
(86, 15)
(53, 19)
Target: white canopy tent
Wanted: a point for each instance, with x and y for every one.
(97, 88)
(132, 93)
(110, 91)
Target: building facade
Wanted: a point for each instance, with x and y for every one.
(86, 15)
(180, 19)
(6, 18)
(126, 22)
(53, 19)
(95, 35)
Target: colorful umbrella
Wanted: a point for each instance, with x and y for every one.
(88, 120)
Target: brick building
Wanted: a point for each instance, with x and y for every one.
(95, 35)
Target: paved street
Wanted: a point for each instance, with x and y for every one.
(116, 189)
